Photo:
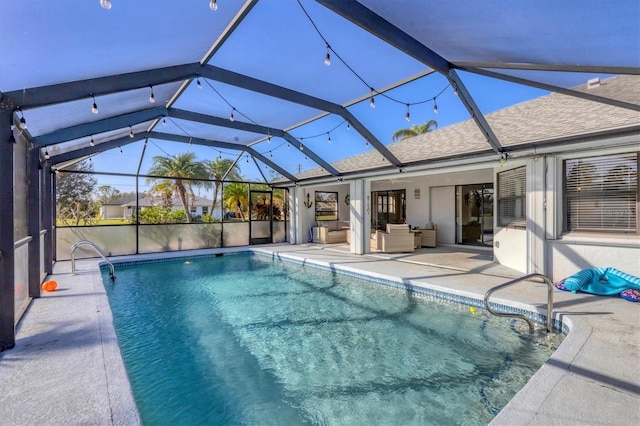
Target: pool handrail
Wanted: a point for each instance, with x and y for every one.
(515, 281)
(81, 243)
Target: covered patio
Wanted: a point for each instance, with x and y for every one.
(506, 126)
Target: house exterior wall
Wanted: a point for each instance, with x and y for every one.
(112, 212)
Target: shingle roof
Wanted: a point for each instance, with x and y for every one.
(542, 119)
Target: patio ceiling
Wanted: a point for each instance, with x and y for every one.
(262, 63)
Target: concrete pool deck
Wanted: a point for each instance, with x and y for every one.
(66, 367)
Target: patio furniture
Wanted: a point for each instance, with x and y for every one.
(329, 235)
(397, 239)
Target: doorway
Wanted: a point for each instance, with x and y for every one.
(474, 214)
(387, 207)
(260, 217)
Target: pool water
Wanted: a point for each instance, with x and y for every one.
(247, 339)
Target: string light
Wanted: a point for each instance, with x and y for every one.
(164, 121)
(219, 155)
(288, 145)
(106, 4)
(152, 97)
(213, 5)
(120, 150)
(247, 159)
(23, 122)
(327, 57)
(455, 88)
(329, 138)
(231, 117)
(46, 153)
(270, 154)
(373, 91)
(348, 126)
(198, 84)
(92, 143)
(407, 115)
(94, 107)
(301, 147)
(435, 106)
(190, 140)
(268, 138)
(131, 132)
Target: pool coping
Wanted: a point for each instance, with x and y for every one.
(536, 403)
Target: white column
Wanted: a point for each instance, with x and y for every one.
(360, 215)
(536, 221)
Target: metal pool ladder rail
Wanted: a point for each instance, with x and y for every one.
(517, 280)
(81, 243)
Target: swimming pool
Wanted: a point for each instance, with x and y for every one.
(248, 339)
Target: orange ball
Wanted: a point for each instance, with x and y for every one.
(49, 285)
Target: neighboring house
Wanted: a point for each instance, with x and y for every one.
(114, 208)
(566, 198)
(197, 205)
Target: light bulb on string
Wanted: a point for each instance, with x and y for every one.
(213, 5)
(372, 101)
(190, 140)
(164, 121)
(198, 84)
(120, 150)
(231, 117)
(131, 132)
(288, 145)
(91, 142)
(106, 4)
(247, 159)
(407, 116)
(329, 138)
(152, 97)
(219, 155)
(435, 106)
(305, 158)
(348, 126)
(270, 154)
(327, 57)
(268, 139)
(301, 147)
(46, 153)
(94, 107)
(455, 89)
(366, 143)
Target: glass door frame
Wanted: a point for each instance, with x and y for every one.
(474, 214)
(262, 238)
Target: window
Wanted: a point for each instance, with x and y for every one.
(326, 206)
(512, 191)
(601, 193)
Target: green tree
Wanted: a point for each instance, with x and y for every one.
(74, 191)
(107, 193)
(217, 169)
(236, 198)
(178, 169)
(415, 130)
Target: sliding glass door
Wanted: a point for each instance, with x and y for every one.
(474, 214)
(387, 207)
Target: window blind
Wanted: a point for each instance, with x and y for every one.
(512, 191)
(602, 193)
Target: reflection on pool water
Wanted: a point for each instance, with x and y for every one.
(247, 339)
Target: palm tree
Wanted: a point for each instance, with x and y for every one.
(415, 130)
(236, 197)
(217, 169)
(176, 169)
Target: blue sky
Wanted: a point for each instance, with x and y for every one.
(77, 39)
